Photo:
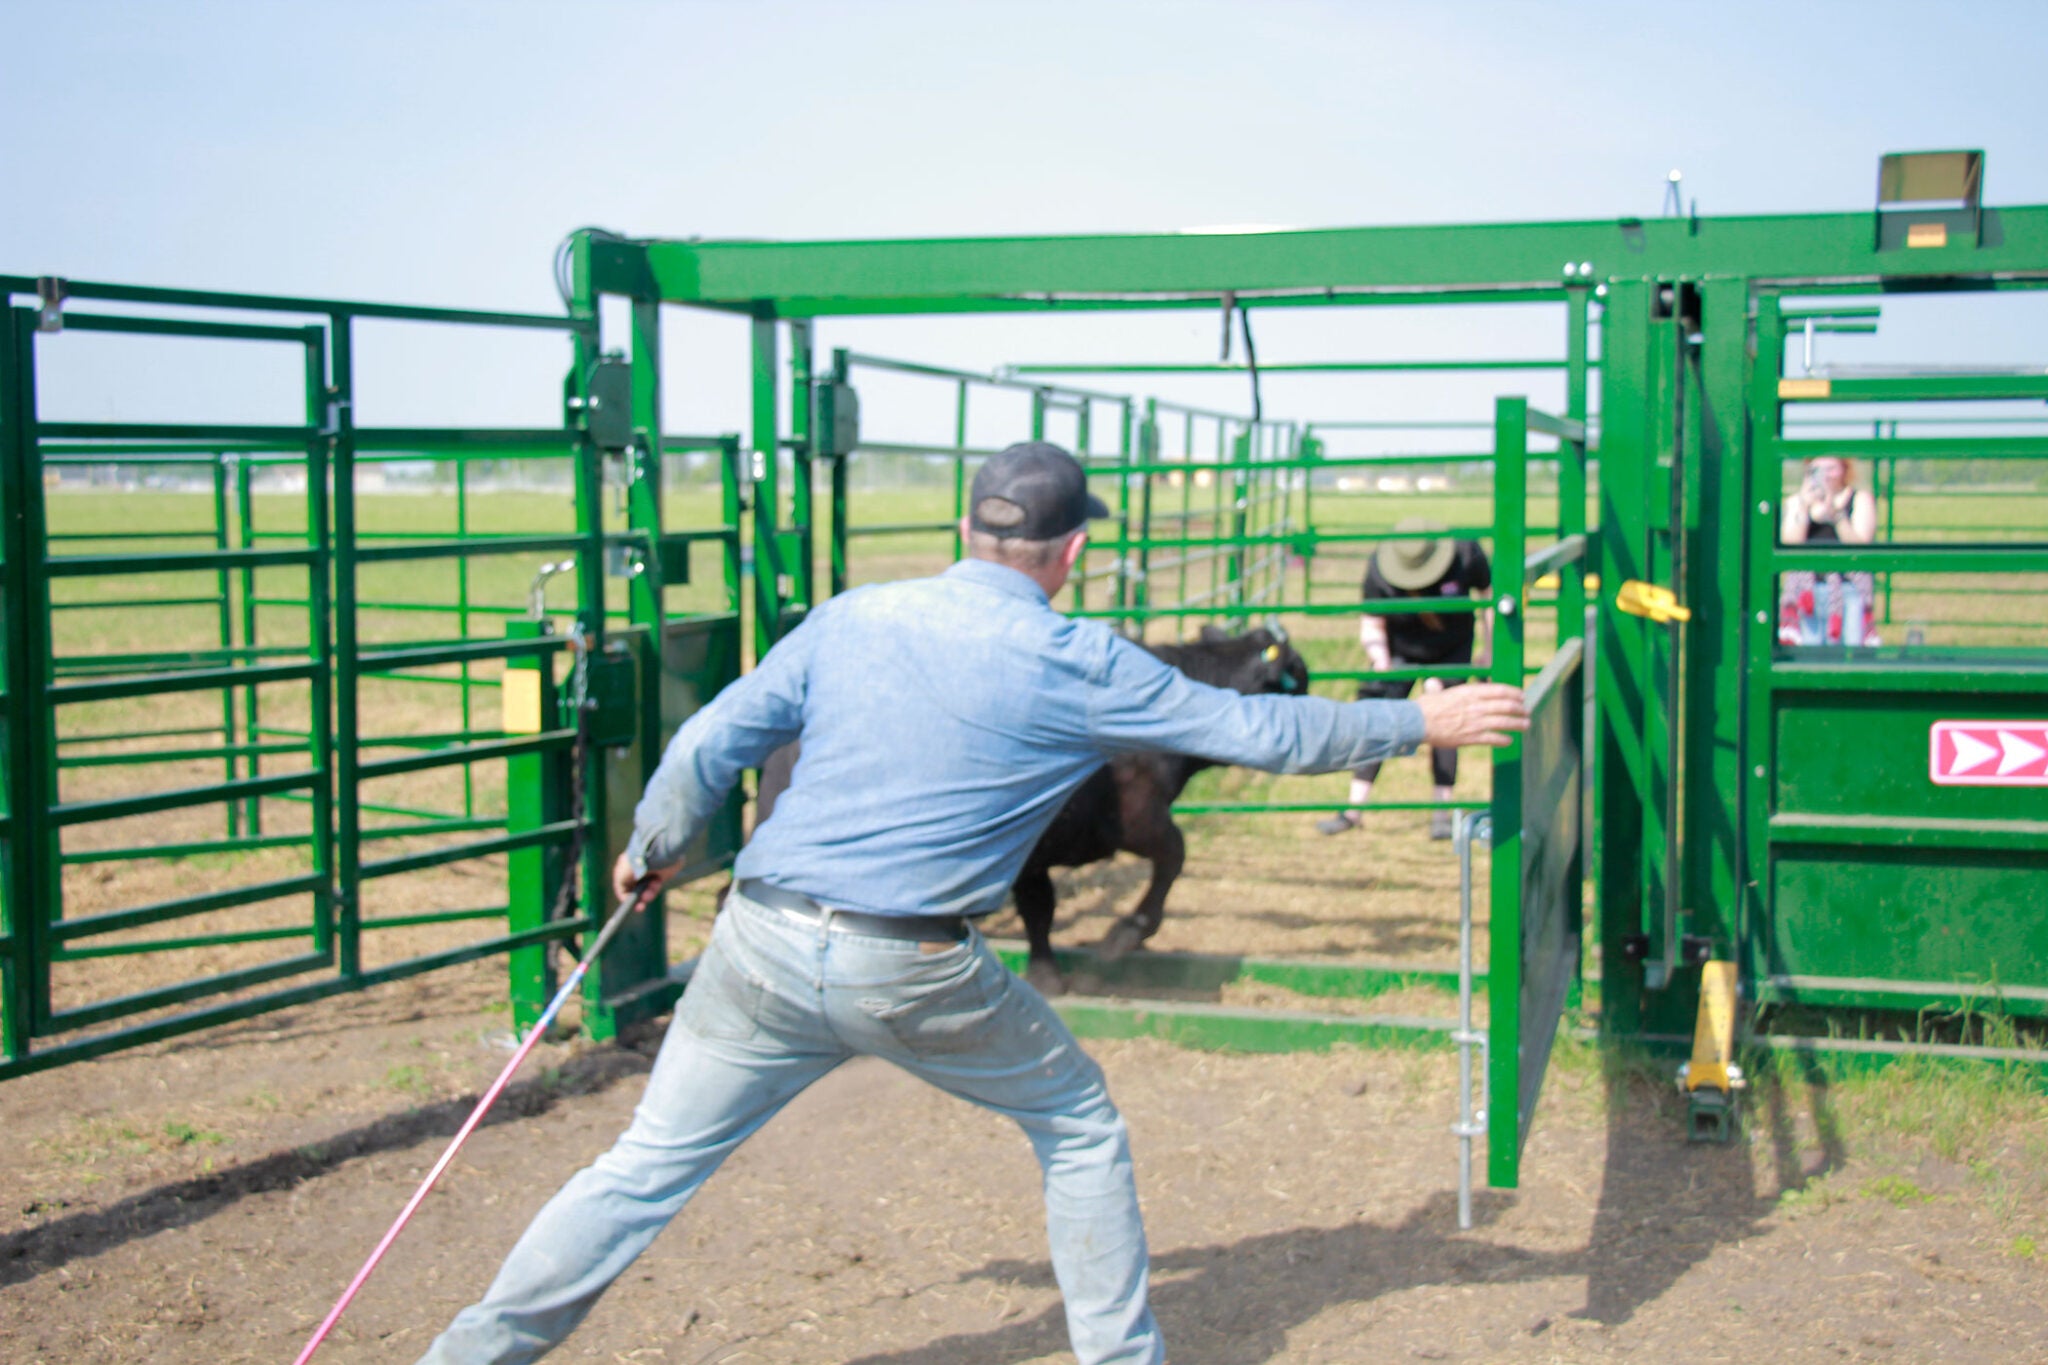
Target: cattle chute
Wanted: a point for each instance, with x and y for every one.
(1755, 802)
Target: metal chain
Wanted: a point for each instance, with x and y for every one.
(567, 902)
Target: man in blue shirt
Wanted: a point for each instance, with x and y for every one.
(944, 721)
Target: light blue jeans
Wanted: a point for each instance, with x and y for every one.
(776, 1003)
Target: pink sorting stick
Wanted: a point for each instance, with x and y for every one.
(642, 895)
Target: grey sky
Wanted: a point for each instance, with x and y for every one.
(436, 152)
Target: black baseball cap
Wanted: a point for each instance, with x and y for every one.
(1032, 491)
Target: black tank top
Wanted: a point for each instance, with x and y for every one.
(1826, 532)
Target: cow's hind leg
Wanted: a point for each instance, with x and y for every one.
(1168, 853)
(1035, 901)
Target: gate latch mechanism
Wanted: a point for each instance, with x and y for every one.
(1711, 1080)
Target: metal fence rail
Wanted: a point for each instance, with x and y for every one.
(280, 640)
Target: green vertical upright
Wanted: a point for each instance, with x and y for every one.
(1503, 975)
(535, 785)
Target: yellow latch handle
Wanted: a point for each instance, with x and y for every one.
(1647, 599)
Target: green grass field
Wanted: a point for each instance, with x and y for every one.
(472, 598)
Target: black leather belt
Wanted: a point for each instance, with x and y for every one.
(917, 928)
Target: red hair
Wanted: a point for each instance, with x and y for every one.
(1848, 467)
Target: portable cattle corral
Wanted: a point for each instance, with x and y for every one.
(1826, 833)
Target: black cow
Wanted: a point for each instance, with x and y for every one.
(1125, 805)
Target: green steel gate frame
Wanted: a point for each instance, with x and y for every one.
(1692, 802)
(673, 662)
(1910, 896)
(1676, 727)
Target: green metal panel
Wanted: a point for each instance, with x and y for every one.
(1908, 927)
(328, 548)
(1711, 747)
(23, 966)
(1623, 680)
(1510, 1108)
(1309, 267)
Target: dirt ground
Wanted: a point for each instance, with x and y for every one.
(204, 1200)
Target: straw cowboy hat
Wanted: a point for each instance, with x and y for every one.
(1414, 564)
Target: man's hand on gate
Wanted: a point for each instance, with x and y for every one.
(625, 883)
(1476, 713)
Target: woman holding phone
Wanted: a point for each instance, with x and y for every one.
(1828, 509)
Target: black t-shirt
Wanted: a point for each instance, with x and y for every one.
(1427, 637)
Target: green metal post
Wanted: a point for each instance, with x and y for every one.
(1148, 455)
(766, 475)
(534, 787)
(1219, 564)
(1082, 451)
(1891, 506)
(1759, 639)
(245, 538)
(1571, 466)
(462, 622)
(959, 465)
(320, 618)
(25, 984)
(1126, 419)
(635, 967)
(842, 368)
(1504, 953)
(804, 572)
(598, 1020)
(1311, 447)
(732, 505)
(1622, 679)
(348, 811)
(225, 629)
(1713, 654)
(1187, 513)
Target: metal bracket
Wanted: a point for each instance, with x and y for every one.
(1468, 828)
(51, 292)
(607, 405)
(537, 593)
(1711, 1080)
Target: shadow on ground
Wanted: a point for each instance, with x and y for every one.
(1236, 1303)
(49, 1246)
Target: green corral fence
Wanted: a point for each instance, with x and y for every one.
(213, 731)
(1801, 815)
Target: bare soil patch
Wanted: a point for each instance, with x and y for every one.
(204, 1200)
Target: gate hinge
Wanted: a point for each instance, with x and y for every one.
(51, 292)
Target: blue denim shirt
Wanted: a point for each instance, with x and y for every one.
(944, 722)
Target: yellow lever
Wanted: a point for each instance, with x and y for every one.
(1713, 1037)
(1647, 599)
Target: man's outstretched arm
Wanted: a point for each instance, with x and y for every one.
(1146, 704)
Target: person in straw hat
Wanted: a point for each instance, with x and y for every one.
(1417, 563)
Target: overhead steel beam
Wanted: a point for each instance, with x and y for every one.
(1527, 260)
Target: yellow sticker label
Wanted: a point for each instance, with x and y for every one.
(1927, 234)
(1803, 388)
(521, 694)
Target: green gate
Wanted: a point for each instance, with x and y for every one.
(1804, 821)
(337, 664)
(1895, 866)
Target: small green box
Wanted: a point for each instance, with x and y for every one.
(837, 419)
(673, 554)
(611, 690)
